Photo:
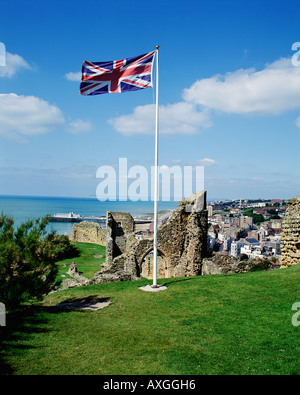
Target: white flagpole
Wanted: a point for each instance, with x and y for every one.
(155, 182)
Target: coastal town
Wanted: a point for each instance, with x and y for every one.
(236, 227)
(249, 227)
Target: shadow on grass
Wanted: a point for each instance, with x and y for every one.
(15, 337)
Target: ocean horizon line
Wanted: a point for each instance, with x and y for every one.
(95, 198)
(47, 197)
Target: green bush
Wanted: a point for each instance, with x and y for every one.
(27, 259)
(264, 265)
(62, 246)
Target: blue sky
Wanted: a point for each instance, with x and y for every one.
(229, 94)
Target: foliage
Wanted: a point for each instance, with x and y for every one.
(272, 211)
(276, 204)
(264, 265)
(62, 246)
(27, 259)
(257, 218)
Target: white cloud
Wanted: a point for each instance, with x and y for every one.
(79, 126)
(297, 122)
(178, 118)
(273, 90)
(206, 162)
(26, 116)
(73, 76)
(13, 64)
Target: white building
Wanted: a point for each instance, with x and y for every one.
(273, 246)
(246, 249)
(235, 248)
(261, 204)
(263, 233)
(252, 251)
(227, 243)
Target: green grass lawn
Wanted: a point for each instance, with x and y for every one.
(87, 264)
(221, 324)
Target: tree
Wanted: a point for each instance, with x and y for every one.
(257, 218)
(27, 259)
(272, 211)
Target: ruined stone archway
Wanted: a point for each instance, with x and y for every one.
(148, 252)
(145, 264)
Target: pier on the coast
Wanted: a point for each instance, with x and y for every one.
(71, 217)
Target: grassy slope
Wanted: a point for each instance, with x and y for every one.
(226, 324)
(86, 263)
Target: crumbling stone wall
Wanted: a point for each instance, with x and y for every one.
(119, 227)
(89, 232)
(181, 242)
(290, 236)
(183, 238)
(227, 264)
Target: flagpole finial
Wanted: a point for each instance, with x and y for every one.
(157, 47)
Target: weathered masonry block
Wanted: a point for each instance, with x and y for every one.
(181, 242)
(290, 236)
(88, 232)
(120, 229)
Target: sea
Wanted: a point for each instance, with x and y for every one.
(22, 208)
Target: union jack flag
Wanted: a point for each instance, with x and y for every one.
(117, 76)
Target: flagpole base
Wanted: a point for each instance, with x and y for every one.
(153, 288)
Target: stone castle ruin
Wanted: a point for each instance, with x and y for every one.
(88, 232)
(290, 236)
(181, 243)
